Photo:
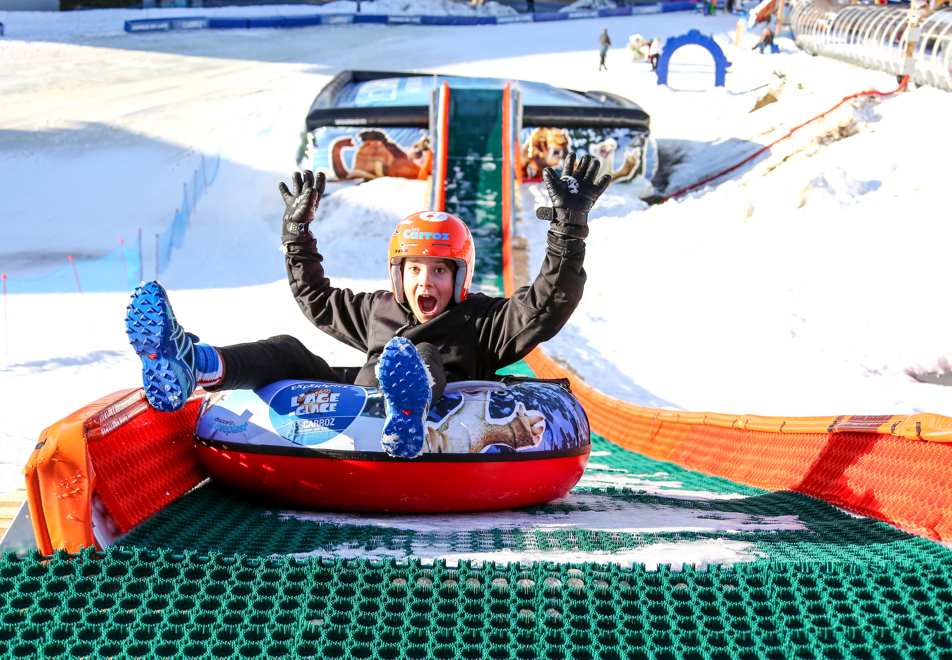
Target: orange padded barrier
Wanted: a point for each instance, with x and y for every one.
(895, 468)
(146, 462)
(60, 481)
(135, 459)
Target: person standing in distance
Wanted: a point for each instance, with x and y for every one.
(604, 41)
(654, 52)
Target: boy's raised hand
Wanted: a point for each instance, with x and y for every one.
(574, 192)
(301, 201)
(576, 189)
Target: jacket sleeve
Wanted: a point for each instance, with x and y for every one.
(341, 313)
(536, 313)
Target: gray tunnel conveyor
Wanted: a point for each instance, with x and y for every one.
(874, 37)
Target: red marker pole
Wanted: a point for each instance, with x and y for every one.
(72, 263)
(125, 266)
(89, 324)
(6, 342)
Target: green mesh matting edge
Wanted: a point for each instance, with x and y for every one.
(616, 459)
(161, 604)
(520, 368)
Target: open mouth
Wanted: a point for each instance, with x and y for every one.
(427, 304)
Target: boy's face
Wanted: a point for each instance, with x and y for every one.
(428, 286)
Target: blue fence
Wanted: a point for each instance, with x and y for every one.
(192, 192)
(120, 270)
(201, 22)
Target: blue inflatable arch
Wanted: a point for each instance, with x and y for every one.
(693, 38)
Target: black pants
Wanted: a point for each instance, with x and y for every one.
(256, 364)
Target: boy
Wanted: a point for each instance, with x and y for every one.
(425, 332)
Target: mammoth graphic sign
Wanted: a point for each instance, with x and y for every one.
(369, 153)
(352, 153)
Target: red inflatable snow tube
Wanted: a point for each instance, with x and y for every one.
(487, 445)
(369, 481)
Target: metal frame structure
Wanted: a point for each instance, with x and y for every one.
(902, 40)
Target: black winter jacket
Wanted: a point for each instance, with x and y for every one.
(475, 338)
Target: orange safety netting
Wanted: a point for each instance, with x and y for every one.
(897, 468)
(883, 467)
(146, 463)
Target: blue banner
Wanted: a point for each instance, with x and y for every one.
(337, 19)
(152, 25)
(370, 18)
(267, 22)
(550, 16)
(678, 5)
(228, 23)
(458, 20)
(303, 21)
(514, 18)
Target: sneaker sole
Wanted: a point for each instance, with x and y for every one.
(406, 387)
(146, 321)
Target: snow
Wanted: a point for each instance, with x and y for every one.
(600, 513)
(440, 536)
(700, 554)
(804, 283)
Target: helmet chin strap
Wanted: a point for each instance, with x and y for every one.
(396, 277)
(460, 281)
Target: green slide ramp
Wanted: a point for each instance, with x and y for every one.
(644, 560)
(474, 177)
(474, 183)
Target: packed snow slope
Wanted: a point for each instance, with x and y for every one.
(806, 283)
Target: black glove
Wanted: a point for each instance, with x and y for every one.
(573, 195)
(301, 205)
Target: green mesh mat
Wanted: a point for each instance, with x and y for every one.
(215, 575)
(164, 604)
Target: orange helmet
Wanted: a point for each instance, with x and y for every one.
(433, 234)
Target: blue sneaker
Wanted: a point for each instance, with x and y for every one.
(166, 350)
(405, 383)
